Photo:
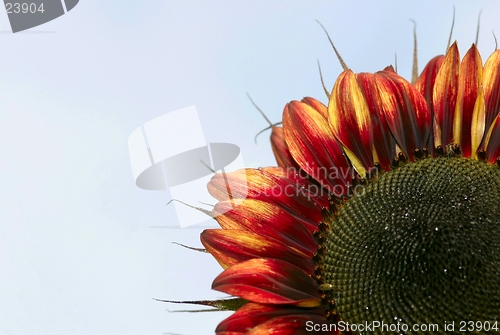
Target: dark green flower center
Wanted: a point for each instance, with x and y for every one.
(420, 244)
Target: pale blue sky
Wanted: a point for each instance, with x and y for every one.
(78, 254)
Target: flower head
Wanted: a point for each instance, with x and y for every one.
(384, 207)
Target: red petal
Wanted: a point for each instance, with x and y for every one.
(470, 79)
(230, 247)
(445, 95)
(266, 219)
(314, 148)
(425, 82)
(249, 316)
(493, 141)
(269, 281)
(389, 69)
(491, 87)
(349, 118)
(425, 85)
(298, 324)
(252, 315)
(405, 110)
(385, 146)
(308, 186)
(262, 185)
(280, 149)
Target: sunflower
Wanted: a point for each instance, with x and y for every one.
(383, 211)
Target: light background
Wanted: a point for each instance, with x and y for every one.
(80, 247)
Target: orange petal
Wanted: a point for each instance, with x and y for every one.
(218, 187)
(230, 247)
(406, 112)
(491, 87)
(445, 94)
(280, 149)
(314, 147)
(269, 281)
(349, 118)
(317, 105)
(264, 218)
(469, 81)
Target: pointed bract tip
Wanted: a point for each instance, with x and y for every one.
(342, 63)
(451, 30)
(414, 74)
(219, 305)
